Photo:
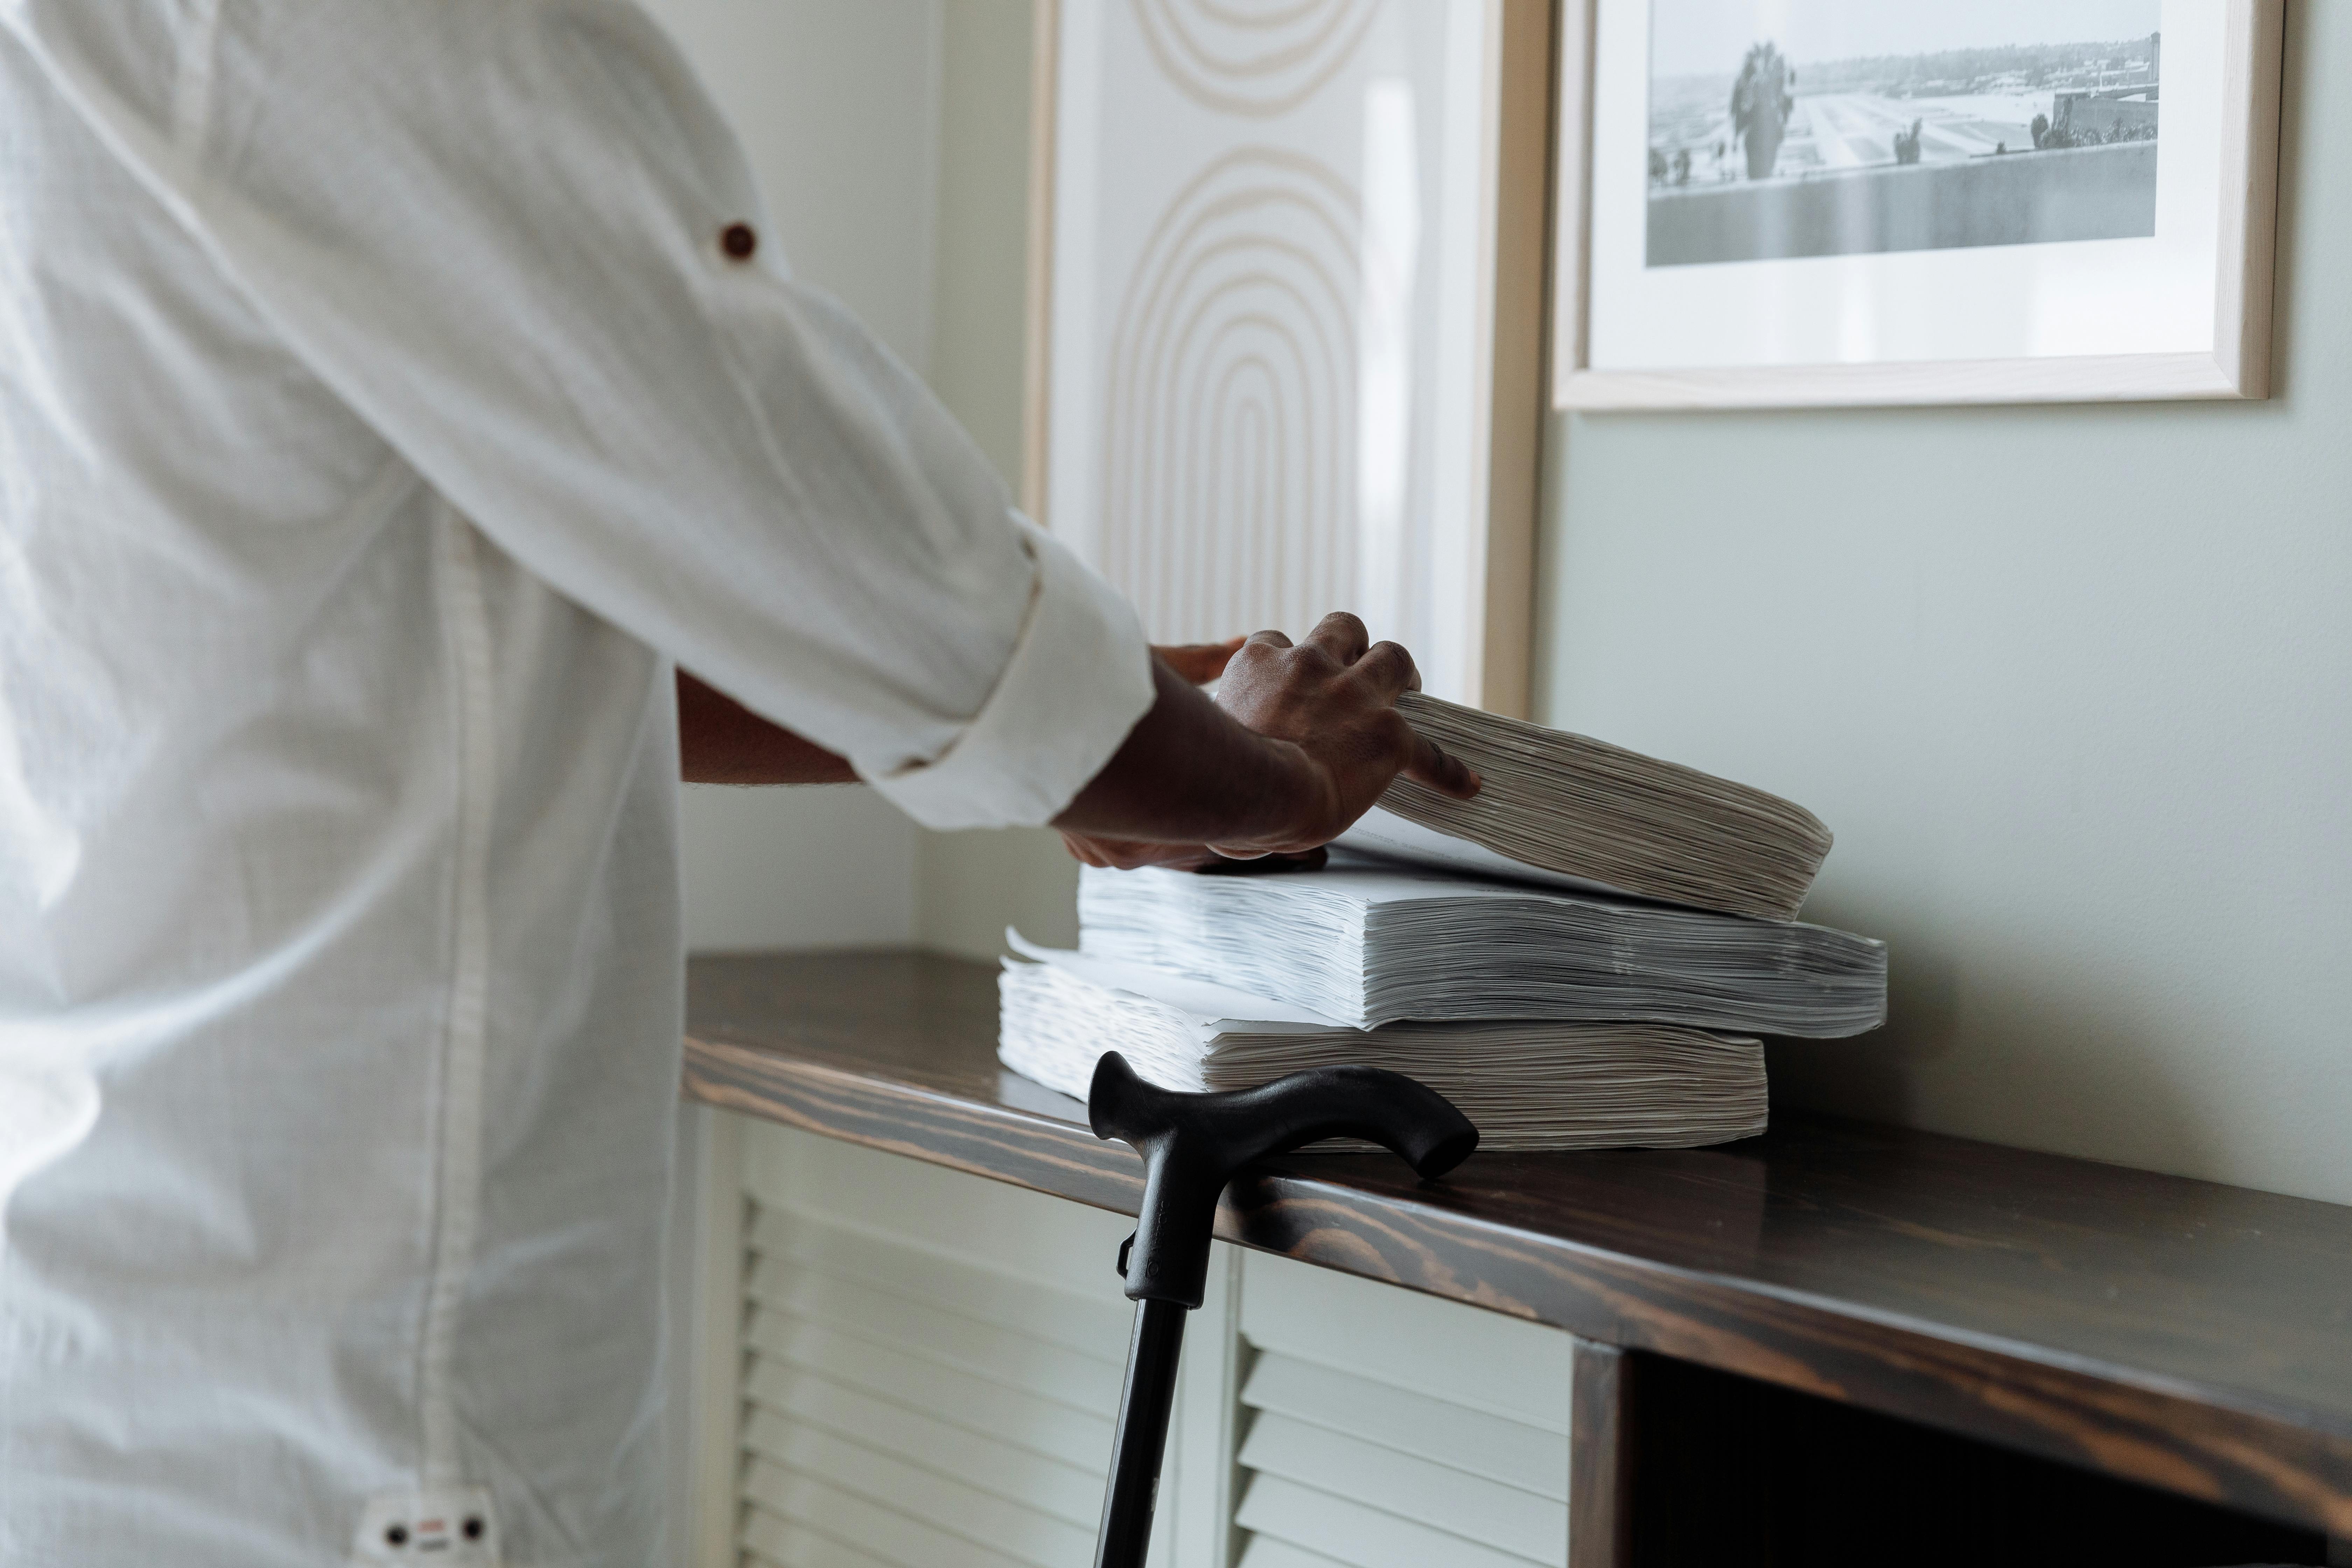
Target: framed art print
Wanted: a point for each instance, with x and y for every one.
(1289, 297)
(1794, 202)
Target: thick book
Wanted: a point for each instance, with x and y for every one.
(1567, 808)
(1365, 943)
(1527, 1086)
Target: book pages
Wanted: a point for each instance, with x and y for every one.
(1527, 1086)
(1609, 817)
(1365, 944)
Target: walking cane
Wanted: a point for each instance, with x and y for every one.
(1192, 1144)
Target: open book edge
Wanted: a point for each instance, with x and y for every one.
(1383, 834)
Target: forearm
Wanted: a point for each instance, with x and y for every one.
(1191, 774)
(722, 741)
(1188, 773)
(1307, 739)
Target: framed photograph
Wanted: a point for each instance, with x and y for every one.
(1288, 303)
(1821, 201)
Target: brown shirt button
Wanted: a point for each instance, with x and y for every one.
(738, 240)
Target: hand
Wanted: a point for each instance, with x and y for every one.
(1299, 743)
(1134, 855)
(1333, 700)
(1199, 662)
(1196, 664)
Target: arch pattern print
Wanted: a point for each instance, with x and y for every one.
(1229, 423)
(1256, 58)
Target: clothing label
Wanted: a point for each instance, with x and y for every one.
(450, 1527)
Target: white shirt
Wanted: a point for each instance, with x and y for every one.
(382, 419)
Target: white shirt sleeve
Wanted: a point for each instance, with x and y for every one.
(496, 230)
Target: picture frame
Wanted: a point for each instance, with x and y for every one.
(1249, 400)
(2207, 265)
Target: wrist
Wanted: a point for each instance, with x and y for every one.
(1291, 800)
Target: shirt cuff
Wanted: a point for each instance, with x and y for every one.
(1079, 678)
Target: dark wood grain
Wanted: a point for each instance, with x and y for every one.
(2176, 1333)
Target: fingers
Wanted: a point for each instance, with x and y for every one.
(1442, 772)
(1390, 670)
(1082, 849)
(1265, 864)
(1201, 662)
(1125, 854)
(1341, 635)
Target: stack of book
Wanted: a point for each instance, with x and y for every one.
(1582, 957)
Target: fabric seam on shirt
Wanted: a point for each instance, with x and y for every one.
(465, 1045)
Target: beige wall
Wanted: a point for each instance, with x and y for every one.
(2073, 685)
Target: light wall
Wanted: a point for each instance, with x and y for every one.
(2073, 687)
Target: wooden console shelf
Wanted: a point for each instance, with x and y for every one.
(2178, 1335)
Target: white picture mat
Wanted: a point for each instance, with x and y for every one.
(1126, 140)
(2237, 365)
(2097, 298)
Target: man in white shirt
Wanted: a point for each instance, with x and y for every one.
(394, 395)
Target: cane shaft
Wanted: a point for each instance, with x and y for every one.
(1142, 1437)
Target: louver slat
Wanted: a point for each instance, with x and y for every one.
(1384, 1430)
(1518, 1456)
(1358, 1536)
(770, 1541)
(988, 1410)
(1266, 1552)
(878, 1531)
(910, 1402)
(1468, 1505)
(950, 1507)
(1080, 1323)
(1054, 1371)
(807, 1403)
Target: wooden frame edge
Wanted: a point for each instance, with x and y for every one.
(2254, 106)
(1516, 411)
(1037, 363)
(1571, 205)
(2236, 370)
(2123, 378)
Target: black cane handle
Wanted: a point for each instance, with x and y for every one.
(1192, 1144)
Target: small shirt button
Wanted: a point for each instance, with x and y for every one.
(740, 241)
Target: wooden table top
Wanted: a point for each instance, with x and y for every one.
(2176, 1332)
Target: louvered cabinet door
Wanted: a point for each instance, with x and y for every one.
(1379, 1429)
(931, 1363)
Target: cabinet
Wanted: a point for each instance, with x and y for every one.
(1836, 1344)
(926, 1363)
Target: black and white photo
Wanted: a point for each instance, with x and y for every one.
(1791, 127)
(1819, 202)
